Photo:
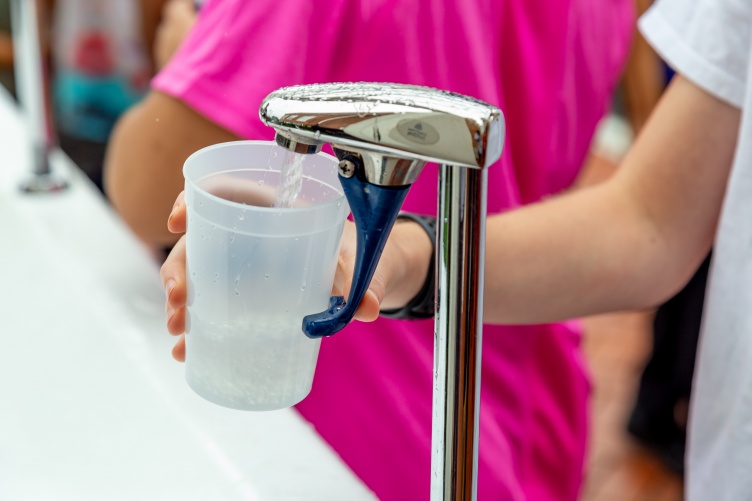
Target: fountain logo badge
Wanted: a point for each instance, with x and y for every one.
(418, 131)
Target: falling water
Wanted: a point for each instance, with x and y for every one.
(291, 180)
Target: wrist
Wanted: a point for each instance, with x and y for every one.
(411, 292)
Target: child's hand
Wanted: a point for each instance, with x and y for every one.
(173, 279)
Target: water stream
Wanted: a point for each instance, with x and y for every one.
(291, 180)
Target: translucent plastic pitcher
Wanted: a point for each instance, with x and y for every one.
(254, 271)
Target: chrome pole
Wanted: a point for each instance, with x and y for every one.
(458, 333)
(33, 89)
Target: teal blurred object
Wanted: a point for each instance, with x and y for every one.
(100, 65)
(87, 106)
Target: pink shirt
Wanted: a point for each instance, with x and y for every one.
(551, 67)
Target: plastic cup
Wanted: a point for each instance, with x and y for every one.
(254, 271)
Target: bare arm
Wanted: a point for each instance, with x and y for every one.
(143, 168)
(630, 242)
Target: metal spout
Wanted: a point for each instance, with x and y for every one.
(296, 144)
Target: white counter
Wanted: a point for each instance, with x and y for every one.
(92, 406)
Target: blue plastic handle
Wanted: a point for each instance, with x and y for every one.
(374, 209)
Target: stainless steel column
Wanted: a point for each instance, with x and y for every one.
(33, 88)
(461, 243)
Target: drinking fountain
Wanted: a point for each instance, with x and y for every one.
(29, 26)
(383, 135)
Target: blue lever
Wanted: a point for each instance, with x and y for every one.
(374, 209)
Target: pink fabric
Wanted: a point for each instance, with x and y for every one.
(551, 67)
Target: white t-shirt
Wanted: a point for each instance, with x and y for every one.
(709, 42)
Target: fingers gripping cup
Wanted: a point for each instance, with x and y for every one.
(255, 268)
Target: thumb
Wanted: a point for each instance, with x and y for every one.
(368, 309)
(177, 221)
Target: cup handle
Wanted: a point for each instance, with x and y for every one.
(374, 209)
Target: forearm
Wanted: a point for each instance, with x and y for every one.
(143, 168)
(576, 255)
(628, 243)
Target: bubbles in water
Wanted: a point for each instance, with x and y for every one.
(261, 364)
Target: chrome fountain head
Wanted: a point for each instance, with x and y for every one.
(383, 135)
(394, 128)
